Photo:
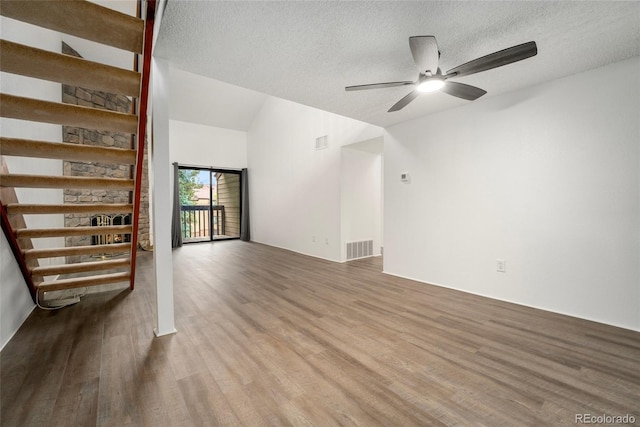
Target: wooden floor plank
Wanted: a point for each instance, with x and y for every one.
(77, 404)
(119, 383)
(42, 370)
(77, 400)
(206, 403)
(270, 337)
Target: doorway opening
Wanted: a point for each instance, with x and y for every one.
(210, 207)
(361, 199)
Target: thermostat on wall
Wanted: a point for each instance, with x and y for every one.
(404, 177)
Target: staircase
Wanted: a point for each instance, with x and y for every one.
(107, 261)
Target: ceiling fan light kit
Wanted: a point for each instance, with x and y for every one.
(430, 85)
(426, 55)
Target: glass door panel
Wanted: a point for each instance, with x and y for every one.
(226, 206)
(195, 204)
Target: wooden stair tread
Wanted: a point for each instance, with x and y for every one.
(81, 282)
(72, 231)
(80, 267)
(66, 151)
(44, 181)
(18, 107)
(36, 209)
(82, 19)
(77, 250)
(70, 70)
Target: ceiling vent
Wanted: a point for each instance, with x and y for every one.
(322, 142)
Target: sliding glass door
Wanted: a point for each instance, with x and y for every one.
(209, 204)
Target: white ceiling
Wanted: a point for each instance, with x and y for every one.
(309, 51)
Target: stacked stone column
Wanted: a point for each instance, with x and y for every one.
(107, 101)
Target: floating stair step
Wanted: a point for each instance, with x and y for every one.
(68, 208)
(57, 67)
(42, 181)
(80, 18)
(52, 270)
(36, 110)
(81, 282)
(66, 151)
(35, 233)
(77, 251)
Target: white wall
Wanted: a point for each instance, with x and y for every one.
(202, 145)
(546, 178)
(360, 190)
(101, 53)
(15, 302)
(294, 188)
(23, 86)
(203, 100)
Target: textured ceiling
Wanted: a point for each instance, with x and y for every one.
(309, 51)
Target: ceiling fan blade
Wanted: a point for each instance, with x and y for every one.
(496, 59)
(377, 85)
(461, 90)
(425, 53)
(404, 101)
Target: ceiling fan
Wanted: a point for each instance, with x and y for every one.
(426, 55)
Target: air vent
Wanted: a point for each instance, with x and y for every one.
(322, 142)
(361, 249)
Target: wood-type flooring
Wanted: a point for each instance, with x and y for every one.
(271, 337)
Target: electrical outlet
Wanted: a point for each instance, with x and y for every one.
(326, 240)
(313, 239)
(501, 266)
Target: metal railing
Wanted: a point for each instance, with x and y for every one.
(197, 221)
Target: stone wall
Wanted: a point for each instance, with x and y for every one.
(144, 226)
(107, 101)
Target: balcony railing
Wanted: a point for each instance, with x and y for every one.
(195, 221)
